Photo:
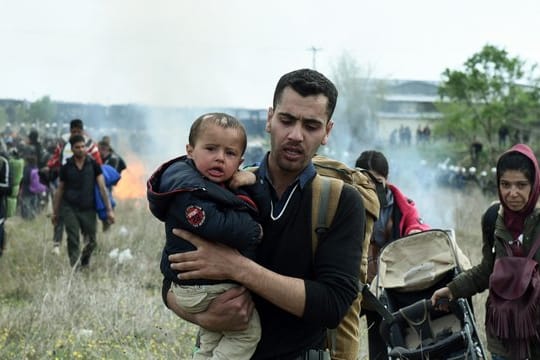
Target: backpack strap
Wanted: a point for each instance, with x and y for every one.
(488, 223)
(326, 192)
(534, 248)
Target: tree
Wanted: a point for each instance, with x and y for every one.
(360, 96)
(493, 89)
(3, 117)
(42, 111)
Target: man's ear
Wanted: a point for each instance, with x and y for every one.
(329, 126)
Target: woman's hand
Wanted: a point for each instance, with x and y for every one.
(438, 297)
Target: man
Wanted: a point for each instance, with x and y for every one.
(298, 293)
(109, 156)
(63, 152)
(74, 201)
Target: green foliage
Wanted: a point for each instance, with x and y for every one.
(3, 117)
(493, 89)
(42, 110)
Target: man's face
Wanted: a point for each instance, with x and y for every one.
(76, 131)
(79, 149)
(297, 126)
(104, 150)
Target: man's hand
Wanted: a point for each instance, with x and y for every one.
(210, 260)
(110, 216)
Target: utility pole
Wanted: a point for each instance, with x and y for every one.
(314, 51)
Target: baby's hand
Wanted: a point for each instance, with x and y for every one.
(242, 178)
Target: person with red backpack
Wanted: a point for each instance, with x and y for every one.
(509, 265)
(398, 217)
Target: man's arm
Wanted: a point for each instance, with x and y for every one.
(219, 262)
(103, 192)
(58, 194)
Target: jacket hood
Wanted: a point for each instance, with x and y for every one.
(171, 177)
(180, 175)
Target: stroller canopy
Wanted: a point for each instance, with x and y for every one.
(418, 261)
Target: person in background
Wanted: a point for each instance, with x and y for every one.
(74, 201)
(5, 191)
(398, 217)
(192, 192)
(32, 190)
(112, 159)
(109, 156)
(299, 291)
(516, 227)
(61, 154)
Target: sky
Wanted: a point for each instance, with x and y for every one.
(230, 53)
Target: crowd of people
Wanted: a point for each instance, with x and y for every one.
(404, 136)
(238, 259)
(38, 177)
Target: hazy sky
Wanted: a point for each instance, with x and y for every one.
(231, 52)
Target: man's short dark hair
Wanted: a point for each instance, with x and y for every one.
(76, 124)
(75, 139)
(308, 82)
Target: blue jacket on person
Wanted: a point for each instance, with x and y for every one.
(111, 178)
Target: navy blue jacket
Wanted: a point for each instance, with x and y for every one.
(181, 197)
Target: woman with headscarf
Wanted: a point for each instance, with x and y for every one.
(512, 230)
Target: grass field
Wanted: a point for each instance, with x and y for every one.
(114, 310)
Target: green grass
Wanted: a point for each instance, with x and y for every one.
(114, 311)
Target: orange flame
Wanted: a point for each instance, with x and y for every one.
(132, 184)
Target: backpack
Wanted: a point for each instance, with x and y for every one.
(514, 294)
(344, 341)
(328, 168)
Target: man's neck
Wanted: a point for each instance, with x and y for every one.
(281, 180)
(79, 161)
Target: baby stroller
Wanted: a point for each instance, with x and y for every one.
(409, 270)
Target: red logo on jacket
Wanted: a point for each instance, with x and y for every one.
(195, 215)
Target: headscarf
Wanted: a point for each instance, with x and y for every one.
(515, 220)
